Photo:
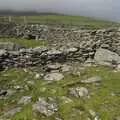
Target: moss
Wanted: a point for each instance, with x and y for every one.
(101, 100)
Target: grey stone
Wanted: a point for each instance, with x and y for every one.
(56, 66)
(37, 75)
(78, 70)
(106, 57)
(66, 68)
(93, 79)
(3, 92)
(54, 52)
(79, 92)
(54, 77)
(3, 52)
(25, 100)
(40, 49)
(105, 46)
(71, 50)
(45, 107)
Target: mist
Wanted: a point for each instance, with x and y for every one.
(104, 9)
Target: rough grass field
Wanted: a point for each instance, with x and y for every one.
(64, 20)
(101, 100)
(27, 43)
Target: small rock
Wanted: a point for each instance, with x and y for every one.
(54, 76)
(40, 49)
(118, 67)
(53, 67)
(71, 50)
(92, 80)
(92, 113)
(79, 92)
(25, 100)
(65, 68)
(3, 52)
(78, 71)
(37, 76)
(17, 87)
(45, 107)
(54, 52)
(3, 92)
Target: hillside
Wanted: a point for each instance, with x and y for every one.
(61, 19)
(59, 68)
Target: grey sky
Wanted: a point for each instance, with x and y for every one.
(98, 8)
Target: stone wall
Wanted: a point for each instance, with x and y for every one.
(65, 44)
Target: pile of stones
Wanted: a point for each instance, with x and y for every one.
(41, 56)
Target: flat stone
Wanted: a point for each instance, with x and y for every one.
(3, 92)
(92, 80)
(40, 49)
(54, 52)
(79, 92)
(25, 100)
(53, 66)
(71, 50)
(66, 68)
(54, 77)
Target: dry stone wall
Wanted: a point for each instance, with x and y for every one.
(66, 44)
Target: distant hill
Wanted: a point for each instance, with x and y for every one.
(33, 17)
(23, 13)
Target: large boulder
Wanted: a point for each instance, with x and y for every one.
(106, 57)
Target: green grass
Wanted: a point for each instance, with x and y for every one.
(25, 42)
(66, 20)
(101, 101)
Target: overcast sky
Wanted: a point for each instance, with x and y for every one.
(99, 8)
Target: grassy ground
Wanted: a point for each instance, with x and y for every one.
(25, 42)
(66, 20)
(106, 105)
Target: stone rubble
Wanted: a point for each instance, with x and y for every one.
(100, 46)
(46, 107)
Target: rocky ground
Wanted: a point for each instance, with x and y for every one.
(75, 76)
